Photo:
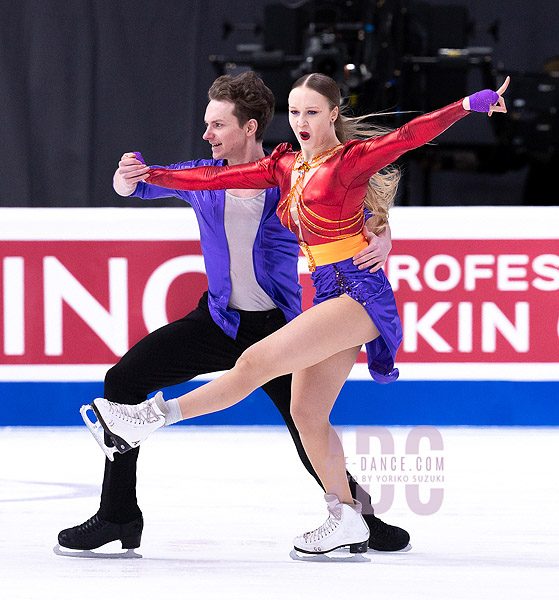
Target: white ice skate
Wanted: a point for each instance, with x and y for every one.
(344, 527)
(128, 425)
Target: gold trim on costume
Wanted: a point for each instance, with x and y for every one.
(296, 196)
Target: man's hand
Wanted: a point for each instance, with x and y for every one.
(375, 254)
(130, 171)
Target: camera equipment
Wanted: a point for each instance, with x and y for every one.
(398, 55)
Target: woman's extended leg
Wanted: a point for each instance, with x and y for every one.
(317, 334)
(314, 391)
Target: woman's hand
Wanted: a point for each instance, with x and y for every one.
(130, 170)
(487, 100)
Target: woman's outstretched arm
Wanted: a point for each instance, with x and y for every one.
(260, 174)
(364, 158)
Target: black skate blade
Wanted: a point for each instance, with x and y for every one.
(61, 551)
(121, 445)
(336, 555)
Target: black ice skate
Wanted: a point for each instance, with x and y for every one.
(96, 532)
(386, 538)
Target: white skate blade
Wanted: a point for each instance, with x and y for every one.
(337, 555)
(97, 432)
(61, 551)
(406, 549)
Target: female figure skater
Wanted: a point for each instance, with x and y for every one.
(323, 189)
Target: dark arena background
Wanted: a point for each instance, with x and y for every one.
(82, 80)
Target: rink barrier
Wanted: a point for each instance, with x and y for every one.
(439, 403)
(477, 289)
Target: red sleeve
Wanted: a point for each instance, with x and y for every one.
(256, 175)
(361, 159)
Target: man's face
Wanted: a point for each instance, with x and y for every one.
(223, 131)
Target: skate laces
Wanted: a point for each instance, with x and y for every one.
(329, 526)
(138, 414)
(378, 526)
(92, 525)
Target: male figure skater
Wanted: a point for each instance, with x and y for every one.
(253, 290)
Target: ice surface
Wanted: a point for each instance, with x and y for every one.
(222, 505)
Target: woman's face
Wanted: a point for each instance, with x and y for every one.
(311, 118)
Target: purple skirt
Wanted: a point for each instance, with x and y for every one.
(373, 291)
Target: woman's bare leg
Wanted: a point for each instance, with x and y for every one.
(314, 391)
(317, 334)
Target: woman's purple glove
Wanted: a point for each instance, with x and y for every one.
(482, 101)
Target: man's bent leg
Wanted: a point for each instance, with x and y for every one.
(173, 354)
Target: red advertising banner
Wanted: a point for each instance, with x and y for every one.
(477, 300)
(74, 302)
(85, 289)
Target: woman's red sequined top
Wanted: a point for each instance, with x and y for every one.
(335, 191)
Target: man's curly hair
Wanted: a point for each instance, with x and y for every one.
(251, 97)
